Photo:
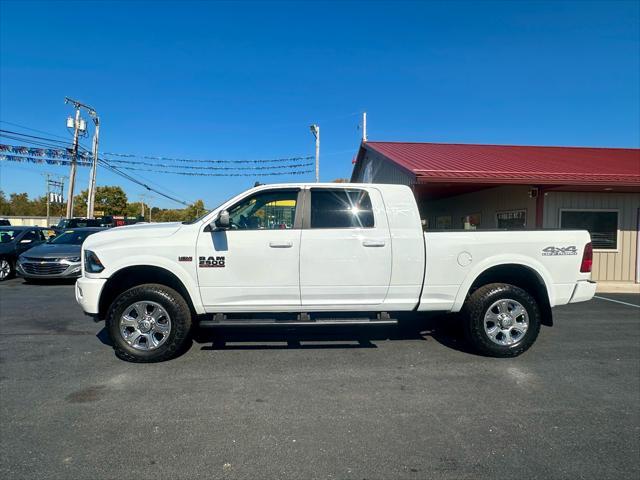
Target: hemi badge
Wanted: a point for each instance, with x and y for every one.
(185, 259)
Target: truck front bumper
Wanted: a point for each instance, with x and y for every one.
(584, 290)
(88, 294)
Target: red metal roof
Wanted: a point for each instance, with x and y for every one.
(443, 162)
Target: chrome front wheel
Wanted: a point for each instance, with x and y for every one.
(145, 325)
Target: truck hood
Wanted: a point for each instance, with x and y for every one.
(147, 230)
(53, 251)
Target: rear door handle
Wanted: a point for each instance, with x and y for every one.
(281, 244)
(373, 243)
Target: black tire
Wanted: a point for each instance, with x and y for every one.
(477, 305)
(174, 304)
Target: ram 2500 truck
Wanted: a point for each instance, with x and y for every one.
(307, 249)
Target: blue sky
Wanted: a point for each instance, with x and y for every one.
(232, 80)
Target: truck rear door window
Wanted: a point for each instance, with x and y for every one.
(341, 208)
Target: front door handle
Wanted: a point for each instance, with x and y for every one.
(281, 244)
(373, 243)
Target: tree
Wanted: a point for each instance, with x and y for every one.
(194, 210)
(110, 200)
(5, 208)
(19, 204)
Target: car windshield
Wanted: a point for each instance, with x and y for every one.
(7, 236)
(72, 237)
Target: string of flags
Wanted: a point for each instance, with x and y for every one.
(61, 156)
(84, 163)
(42, 160)
(172, 159)
(206, 167)
(63, 153)
(234, 174)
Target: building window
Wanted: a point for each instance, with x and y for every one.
(471, 222)
(601, 224)
(443, 222)
(341, 208)
(512, 219)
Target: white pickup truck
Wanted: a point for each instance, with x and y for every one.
(309, 249)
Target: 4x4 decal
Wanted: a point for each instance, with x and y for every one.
(211, 262)
(553, 251)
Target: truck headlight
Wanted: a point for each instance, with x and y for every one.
(92, 263)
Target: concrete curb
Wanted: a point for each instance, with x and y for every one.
(618, 287)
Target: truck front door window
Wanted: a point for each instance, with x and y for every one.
(273, 210)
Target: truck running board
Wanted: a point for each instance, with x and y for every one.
(302, 320)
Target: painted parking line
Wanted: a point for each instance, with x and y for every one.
(617, 301)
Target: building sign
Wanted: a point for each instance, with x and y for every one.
(512, 219)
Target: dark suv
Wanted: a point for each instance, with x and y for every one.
(13, 242)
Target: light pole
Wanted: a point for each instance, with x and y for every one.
(315, 129)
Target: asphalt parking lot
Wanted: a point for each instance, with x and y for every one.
(350, 403)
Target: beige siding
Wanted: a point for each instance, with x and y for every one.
(32, 221)
(485, 202)
(618, 266)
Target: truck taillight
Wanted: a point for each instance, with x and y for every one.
(587, 259)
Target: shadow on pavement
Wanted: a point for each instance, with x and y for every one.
(47, 281)
(445, 329)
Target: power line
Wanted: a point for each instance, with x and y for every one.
(34, 136)
(33, 129)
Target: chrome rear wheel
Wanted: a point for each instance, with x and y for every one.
(506, 321)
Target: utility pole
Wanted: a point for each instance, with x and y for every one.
(58, 186)
(142, 198)
(364, 127)
(315, 129)
(48, 199)
(91, 201)
(80, 127)
(72, 173)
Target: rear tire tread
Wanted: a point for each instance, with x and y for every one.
(474, 310)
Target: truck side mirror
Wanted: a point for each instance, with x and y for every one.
(222, 221)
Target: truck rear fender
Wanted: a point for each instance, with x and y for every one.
(521, 272)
